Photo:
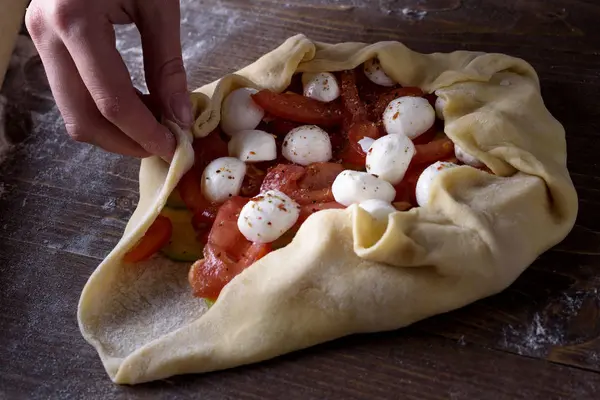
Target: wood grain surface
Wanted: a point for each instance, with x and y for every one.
(64, 205)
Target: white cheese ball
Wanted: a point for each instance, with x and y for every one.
(439, 107)
(307, 144)
(239, 112)
(222, 179)
(429, 175)
(376, 74)
(268, 216)
(253, 146)
(322, 86)
(466, 158)
(409, 116)
(366, 143)
(379, 209)
(352, 187)
(389, 157)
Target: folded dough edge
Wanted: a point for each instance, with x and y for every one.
(344, 273)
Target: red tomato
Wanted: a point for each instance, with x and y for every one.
(427, 154)
(353, 152)
(226, 254)
(154, 239)
(208, 276)
(350, 98)
(281, 127)
(203, 219)
(338, 142)
(283, 177)
(378, 105)
(297, 108)
(319, 175)
(405, 190)
(427, 136)
(225, 232)
(353, 157)
(190, 191)
(254, 253)
(431, 152)
(252, 181)
(209, 148)
(308, 185)
(309, 209)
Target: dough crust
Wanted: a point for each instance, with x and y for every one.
(343, 273)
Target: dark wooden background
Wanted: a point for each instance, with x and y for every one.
(64, 205)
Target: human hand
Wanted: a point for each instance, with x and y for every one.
(90, 82)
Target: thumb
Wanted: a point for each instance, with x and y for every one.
(158, 23)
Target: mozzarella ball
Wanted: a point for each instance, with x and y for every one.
(352, 187)
(268, 216)
(378, 209)
(239, 112)
(322, 86)
(376, 74)
(253, 146)
(222, 179)
(466, 158)
(439, 107)
(409, 116)
(307, 144)
(389, 157)
(427, 178)
(366, 143)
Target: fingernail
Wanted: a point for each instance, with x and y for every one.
(167, 151)
(181, 109)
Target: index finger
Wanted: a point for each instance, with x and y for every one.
(105, 75)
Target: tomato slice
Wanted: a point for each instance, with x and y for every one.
(283, 177)
(154, 239)
(225, 232)
(190, 191)
(405, 190)
(427, 154)
(297, 108)
(431, 152)
(252, 181)
(319, 175)
(226, 254)
(281, 127)
(209, 148)
(353, 152)
(253, 254)
(427, 136)
(208, 276)
(306, 185)
(203, 219)
(351, 100)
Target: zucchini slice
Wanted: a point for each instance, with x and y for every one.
(184, 245)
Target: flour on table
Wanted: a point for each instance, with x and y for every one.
(549, 328)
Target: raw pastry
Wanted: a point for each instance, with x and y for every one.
(346, 272)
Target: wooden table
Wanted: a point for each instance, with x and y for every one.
(63, 206)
